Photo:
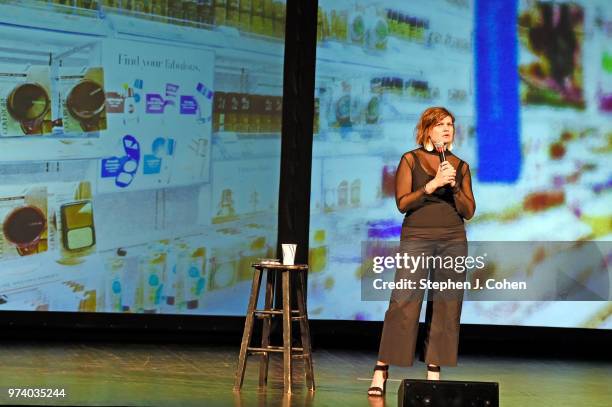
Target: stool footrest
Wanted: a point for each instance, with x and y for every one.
(279, 349)
(273, 312)
(270, 316)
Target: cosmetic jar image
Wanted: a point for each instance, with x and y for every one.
(86, 103)
(28, 103)
(23, 227)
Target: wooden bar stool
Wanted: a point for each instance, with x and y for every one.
(267, 313)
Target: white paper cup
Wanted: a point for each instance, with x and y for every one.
(289, 253)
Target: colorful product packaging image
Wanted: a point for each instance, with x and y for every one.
(83, 101)
(604, 87)
(114, 267)
(195, 280)
(318, 251)
(257, 248)
(25, 101)
(162, 276)
(231, 200)
(123, 168)
(73, 209)
(77, 226)
(23, 215)
(131, 298)
(555, 77)
(223, 268)
(153, 269)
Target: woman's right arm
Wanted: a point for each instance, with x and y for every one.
(405, 199)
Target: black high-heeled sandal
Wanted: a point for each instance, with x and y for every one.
(381, 390)
(433, 368)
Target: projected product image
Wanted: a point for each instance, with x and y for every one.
(156, 185)
(48, 86)
(24, 221)
(77, 226)
(85, 101)
(260, 17)
(554, 35)
(27, 102)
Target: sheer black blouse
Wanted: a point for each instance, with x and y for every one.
(446, 206)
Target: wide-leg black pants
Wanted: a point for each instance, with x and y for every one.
(443, 313)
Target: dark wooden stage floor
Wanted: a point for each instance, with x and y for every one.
(186, 375)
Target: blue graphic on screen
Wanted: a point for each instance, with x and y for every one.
(497, 92)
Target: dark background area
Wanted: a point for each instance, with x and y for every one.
(493, 340)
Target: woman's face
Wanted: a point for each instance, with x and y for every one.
(443, 131)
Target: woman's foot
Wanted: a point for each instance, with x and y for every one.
(433, 372)
(379, 380)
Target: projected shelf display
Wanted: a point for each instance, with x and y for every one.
(533, 126)
(141, 148)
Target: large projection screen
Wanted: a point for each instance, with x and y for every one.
(530, 83)
(139, 153)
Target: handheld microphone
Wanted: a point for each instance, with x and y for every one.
(440, 148)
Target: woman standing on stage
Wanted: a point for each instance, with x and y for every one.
(433, 188)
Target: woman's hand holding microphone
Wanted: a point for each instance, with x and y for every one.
(445, 175)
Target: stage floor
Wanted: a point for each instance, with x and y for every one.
(186, 375)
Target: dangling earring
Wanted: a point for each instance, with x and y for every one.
(428, 145)
(450, 146)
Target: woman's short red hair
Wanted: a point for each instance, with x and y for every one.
(429, 118)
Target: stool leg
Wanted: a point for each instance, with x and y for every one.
(248, 330)
(286, 330)
(305, 330)
(265, 335)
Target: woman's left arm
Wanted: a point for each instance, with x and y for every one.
(464, 198)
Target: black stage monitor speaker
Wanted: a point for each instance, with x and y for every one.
(446, 393)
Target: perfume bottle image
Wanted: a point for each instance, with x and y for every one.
(220, 12)
(153, 280)
(29, 103)
(257, 21)
(190, 11)
(86, 103)
(245, 14)
(356, 193)
(205, 11)
(195, 281)
(233, 13)
(131, 300)
(115, 267)
(343, 106)
(226, 206)
(130, 112)
(219, 111)
(343, 194)
(174, 281)
(232, 112)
